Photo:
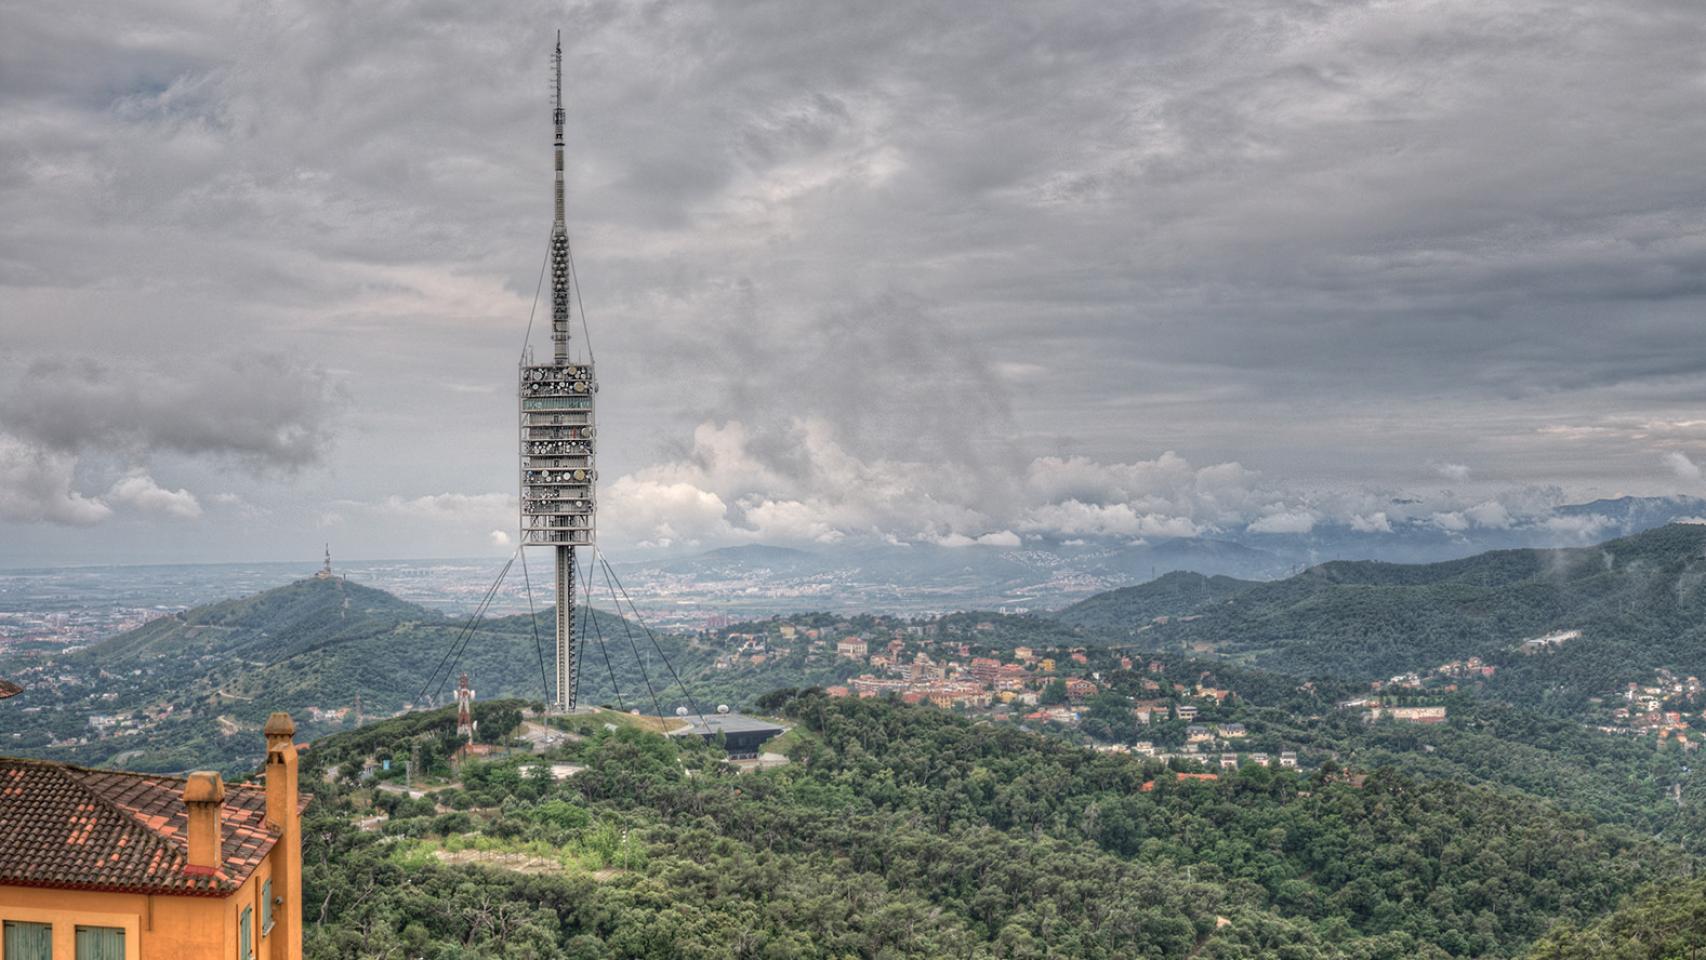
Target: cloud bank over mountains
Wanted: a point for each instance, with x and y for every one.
(728, 489)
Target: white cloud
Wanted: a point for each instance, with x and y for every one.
(1000, 538)
(1074, 517)
(1490, 514)
(139, 491)
(38, 486)
(1583, 527)
(1284, 521)
(1681, 466)
(791, 520)
(1376, 522)
(447, 507)
(500, 538)
(1452, 522)
(1456, 472)
(658, 513)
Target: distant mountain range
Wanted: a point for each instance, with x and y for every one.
(207, 677)
(1049, 574)
(1638, 602)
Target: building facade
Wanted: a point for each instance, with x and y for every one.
(109, 865)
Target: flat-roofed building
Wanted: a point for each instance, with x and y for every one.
(743, 736)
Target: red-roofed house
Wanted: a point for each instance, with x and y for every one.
(128, 866)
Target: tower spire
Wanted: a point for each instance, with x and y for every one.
(559, 226)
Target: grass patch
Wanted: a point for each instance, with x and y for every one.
(603, 847)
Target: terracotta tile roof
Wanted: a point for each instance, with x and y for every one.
(76, 828)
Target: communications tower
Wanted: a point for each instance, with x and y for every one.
(464, 709)
(557, 474)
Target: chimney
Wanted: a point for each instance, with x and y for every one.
(204, 796)
(283, 816)
(281, 771)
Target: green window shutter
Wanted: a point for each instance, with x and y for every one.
(28, 941)
(266, 907)
(100, 943)
(245, 943)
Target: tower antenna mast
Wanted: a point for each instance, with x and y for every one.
(560, 225)
(558, 480)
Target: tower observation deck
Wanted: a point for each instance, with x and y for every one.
(558, 473)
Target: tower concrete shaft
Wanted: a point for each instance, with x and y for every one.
(568, 660)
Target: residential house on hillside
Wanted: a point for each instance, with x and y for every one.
(1079, 690)
(109, 865)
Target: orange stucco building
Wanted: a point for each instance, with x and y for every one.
(106, 865)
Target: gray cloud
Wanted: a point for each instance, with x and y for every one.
(1331, 245)
(265, 411)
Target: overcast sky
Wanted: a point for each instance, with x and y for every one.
(931, 272)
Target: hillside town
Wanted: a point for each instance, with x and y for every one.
(1109, 699)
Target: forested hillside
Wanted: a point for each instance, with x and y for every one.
(1127, 609)
(206, 679)
(1666, 921)
(1639, 602)
(907, 832)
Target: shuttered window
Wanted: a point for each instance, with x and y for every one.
(266, 907)
(28, 941)
(245, 935)
(100, 943)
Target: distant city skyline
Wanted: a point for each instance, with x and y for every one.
(906, 275)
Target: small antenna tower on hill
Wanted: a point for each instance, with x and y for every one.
(464, 709)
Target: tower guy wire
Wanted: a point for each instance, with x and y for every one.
(609, 572)
(453, 656)
(533, 621)
(599, 635)
(638, 660)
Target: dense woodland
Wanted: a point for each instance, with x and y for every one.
(1665, 921)
(907, 832)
